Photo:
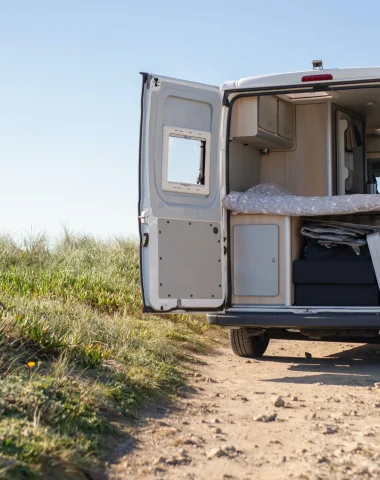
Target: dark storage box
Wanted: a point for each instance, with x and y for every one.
(335, 283)
(334, 272)
(337, 295)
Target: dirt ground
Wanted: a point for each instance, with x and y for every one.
(227, 426)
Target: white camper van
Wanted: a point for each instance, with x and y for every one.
(259, 205)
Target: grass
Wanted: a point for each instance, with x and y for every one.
(77, 357)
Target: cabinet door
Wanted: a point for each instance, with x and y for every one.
(286, 120)
(256, 260)
(268, 113)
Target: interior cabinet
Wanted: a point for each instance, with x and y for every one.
(286, 120)
(268, 113)
(264, 122)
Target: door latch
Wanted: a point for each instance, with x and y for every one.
(155, 83)
(145, 240)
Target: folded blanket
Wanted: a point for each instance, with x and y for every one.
(270, 199)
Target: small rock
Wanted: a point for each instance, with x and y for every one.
(197, 374)
(278, 402)
(229, 450)
(185, 423)
(266, 418)
(248, 361)
(211, 380)
(314, 416)
(162, 424)
(283, 459)
(216, 452)
(308, 355)
(182, 459)
(377, 405)
(329, 430)
(159, 460)
(218, 430)
(216, 420)
(295, 398)
(321, 459)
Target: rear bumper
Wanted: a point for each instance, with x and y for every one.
(338, 320)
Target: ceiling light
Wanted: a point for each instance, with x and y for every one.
(377, 130)
(370, 103)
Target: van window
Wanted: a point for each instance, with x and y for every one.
(186, 161)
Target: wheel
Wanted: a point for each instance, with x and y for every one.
(246, 345)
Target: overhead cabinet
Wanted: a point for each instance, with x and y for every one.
(265, 122)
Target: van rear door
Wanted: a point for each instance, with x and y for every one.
(180, 212)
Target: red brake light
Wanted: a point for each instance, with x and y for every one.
(317, 78)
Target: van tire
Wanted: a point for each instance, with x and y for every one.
(248, 346)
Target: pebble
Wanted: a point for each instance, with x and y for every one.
(182, 459)
(278, 402)
(295, 398)
(216, 452)
(308, 355)
(229, 449)
(314, 416)
(211, 380)
(329, 430)
(377, 405)
(266, 418)
(162, 424)
(216, 420)
(159, 460)
(218, 430)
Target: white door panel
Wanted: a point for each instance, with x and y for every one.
(180, 196)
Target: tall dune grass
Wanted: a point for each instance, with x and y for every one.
(75, 349)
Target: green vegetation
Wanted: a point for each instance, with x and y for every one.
(77, 357)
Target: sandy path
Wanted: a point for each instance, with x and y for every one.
(329, 427)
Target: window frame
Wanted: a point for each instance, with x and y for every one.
(178, 187)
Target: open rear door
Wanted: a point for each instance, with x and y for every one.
(180, 210)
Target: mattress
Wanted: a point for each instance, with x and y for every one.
(270, 199)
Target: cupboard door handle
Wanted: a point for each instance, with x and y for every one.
(286, 131)
(269, 123)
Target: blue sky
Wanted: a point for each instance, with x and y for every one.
(70, 88)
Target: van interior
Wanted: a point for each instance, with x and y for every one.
(312, 144)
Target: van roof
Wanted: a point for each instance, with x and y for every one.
(295, 78)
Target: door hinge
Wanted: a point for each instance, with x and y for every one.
(143, 216)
